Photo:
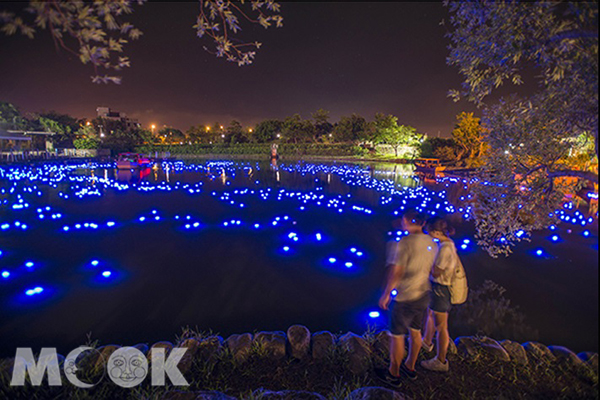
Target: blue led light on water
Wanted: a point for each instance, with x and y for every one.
(555, 238)
(539, 252)
(5, 274)
(586, 233)
(394, 293)
(332, 260)
(34, 291)
(110, 224)
(106, 274)
(349, 264)
(374, 314)
(463, 246)
(286, 248)
(95, 263)
(318, 236)
(29, 264)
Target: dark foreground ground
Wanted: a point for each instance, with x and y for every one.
(475, 376)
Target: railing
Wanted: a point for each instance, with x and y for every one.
(23, 155)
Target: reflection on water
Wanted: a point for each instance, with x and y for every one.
(238, 246)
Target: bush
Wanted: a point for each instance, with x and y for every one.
(86, 143)
(487, 312)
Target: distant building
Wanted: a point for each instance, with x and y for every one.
(107, 113)
(18, 140)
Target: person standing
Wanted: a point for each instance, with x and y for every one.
(408, 273)
(441, 277)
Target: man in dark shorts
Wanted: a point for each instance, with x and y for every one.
(408, 273)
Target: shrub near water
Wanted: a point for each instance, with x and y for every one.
(487, 312)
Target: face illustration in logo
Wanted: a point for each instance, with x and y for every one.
(127, 367)
(80, 367)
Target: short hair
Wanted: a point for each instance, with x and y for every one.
(439, 224)
(414, 216)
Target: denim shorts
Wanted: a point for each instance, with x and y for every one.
(407, 314)
(440, 298)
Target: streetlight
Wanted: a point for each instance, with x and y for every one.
(153, 127)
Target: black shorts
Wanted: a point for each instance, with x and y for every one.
(407, 314)
(440, 298)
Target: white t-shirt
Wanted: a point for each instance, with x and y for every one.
(446, 261)
(416, 253)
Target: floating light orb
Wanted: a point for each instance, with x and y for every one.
(34, 291)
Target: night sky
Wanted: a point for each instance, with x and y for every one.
(344, 57)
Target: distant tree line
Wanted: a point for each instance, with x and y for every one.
(355, 130)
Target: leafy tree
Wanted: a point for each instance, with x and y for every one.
(297, 130)
(530, 136)
(95, 33)
(468, 134)
(172, 135)
(445, 149)
(119, 141)
(323, 127)
(235, 133)
(266, 131)
(10, 116)
(387, 131)
(353, 129)
(64, 126)
(203, 134)
(86, 143)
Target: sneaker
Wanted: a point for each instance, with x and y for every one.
(427, 348)
(384, 375)
(435, 365)
(410, 374)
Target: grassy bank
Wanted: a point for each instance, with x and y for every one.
(264, 149)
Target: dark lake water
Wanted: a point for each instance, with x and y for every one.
(238, 246)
